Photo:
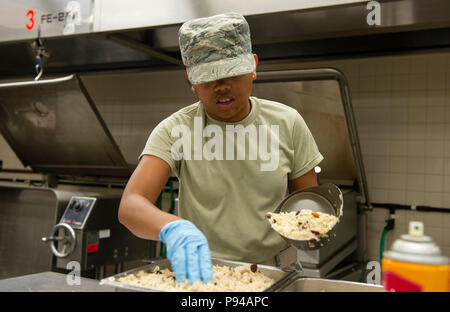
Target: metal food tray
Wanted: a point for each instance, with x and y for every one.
(269, 271)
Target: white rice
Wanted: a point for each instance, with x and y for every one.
(225, 279)
(302, 225)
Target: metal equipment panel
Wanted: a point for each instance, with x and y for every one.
(20, 19)
(25, 214)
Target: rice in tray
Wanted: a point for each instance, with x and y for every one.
(245, 278)
(302, 225)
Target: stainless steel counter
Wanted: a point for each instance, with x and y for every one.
(57, 282)
(50, 282)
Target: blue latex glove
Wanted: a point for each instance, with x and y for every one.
(188, 251)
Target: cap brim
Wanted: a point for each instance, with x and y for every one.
(225, 68)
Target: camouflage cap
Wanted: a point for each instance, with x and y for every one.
(216, 47)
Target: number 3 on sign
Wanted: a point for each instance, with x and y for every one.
(30, 24)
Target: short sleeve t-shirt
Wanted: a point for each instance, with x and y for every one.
(232, 174)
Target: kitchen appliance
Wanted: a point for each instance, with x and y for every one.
(323, 100)
(53, 127)
(91, 224)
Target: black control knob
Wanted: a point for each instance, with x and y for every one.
(77, 206)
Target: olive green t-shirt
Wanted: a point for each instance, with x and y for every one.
(232, 174)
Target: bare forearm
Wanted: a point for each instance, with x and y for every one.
(309, 179)
(142, 217)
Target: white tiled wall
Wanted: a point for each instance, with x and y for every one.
(402, 110)
(402, 107)
(404, 135)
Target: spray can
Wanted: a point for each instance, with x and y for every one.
(415, 264)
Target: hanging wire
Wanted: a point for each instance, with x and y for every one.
(40, 52)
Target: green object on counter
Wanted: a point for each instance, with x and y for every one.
(158, 203)
(382, 242)
(171, 210)
(172, 197)
(363, 273)
(390, 223)
(163, 251)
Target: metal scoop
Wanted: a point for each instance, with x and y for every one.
(326, 198)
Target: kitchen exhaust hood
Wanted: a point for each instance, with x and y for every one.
(93, 35)
(53, 126)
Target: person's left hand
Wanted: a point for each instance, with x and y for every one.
(188, 251)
